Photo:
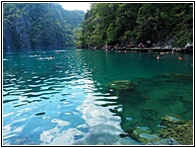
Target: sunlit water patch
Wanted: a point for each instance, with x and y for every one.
(64, 100)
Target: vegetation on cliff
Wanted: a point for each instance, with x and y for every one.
(131, 23)
(38, 25)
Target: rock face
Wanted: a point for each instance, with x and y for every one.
(38, 25)
(7, 40)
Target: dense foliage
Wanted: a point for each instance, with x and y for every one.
(131, 23)
(38, 25)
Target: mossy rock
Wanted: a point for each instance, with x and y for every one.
(177, 129)
(147, 138)
(120, 85)
(169, 121)
(141, 135)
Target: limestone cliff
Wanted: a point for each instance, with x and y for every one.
(38, 25)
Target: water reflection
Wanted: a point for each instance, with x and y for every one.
(104, 128)
(63, 101)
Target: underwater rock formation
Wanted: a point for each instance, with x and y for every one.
(175, 132)
(141, 134)
(175, 75)
(121, 85)
(167, 141)
(149, 114)
(177, 129)
(157, 109)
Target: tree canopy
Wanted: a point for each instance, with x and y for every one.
(125, 23)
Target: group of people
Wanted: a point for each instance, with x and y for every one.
(141, 45)
(42, 58)
(46, 58)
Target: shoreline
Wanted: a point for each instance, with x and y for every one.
(182, 50)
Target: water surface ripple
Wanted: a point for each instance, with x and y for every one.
(62, 100)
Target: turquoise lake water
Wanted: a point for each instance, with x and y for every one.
(65, 100)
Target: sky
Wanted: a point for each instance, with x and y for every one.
(76, 5)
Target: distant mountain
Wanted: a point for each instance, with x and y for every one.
(38, 25)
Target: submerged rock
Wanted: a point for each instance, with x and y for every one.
(141, 134)
(149, 114)
(176, 75)
(121, 85)
(170, 119)
(143, 127)
(129, 118)
(167, 141)
(177, 129)
(173, 131)
(148, 136)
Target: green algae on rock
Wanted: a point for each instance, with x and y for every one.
(143, 135)
(120, 85)
(177, 129)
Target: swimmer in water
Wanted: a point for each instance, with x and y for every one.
(158, 57)
(180, 58)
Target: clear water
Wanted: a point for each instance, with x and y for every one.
(64, 101)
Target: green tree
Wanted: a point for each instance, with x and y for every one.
(113, 23)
